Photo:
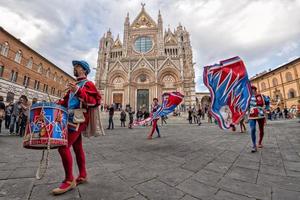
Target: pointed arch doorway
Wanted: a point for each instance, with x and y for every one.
(142, 99)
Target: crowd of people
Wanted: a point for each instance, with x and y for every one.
(140, 114)
(194, 116)
(281, 114)
(15, 115)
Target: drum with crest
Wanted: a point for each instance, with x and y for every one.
(47, 126)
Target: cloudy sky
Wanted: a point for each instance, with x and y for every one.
(264, 33)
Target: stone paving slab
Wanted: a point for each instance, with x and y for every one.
(279, 194)
(188, 197)
(246, 163)
(208, 177)
(224, 195)
(197, 189)
(289, 183)
(175, 176)
(248, 189)
(155, 189)
(188, 163)
(272, 170)
(243, 174)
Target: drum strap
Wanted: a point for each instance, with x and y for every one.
(41, 171)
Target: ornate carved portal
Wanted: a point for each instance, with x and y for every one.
(117, 99)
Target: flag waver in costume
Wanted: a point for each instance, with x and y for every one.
(170, 101)
(259, 105)
(230, 91)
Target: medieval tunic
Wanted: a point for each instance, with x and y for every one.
(86, 96)
(258, 104)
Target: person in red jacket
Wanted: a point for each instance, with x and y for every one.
(79, 100)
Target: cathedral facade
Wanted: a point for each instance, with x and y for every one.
(148, 62)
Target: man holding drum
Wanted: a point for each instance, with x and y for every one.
(81, 96)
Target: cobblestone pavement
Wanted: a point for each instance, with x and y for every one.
(189, 162)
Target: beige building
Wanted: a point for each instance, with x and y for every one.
(282, 84)
(203, 99)
(146, 63)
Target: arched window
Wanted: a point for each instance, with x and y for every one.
(275, 82)
(18, 56)
(288, 76)
(40, 68)
(55, 77)
(48, 73)
(263, 86)
(29, 63)
(13, 76)
(1, 70)
(61, 79)
(4, 49)
(291, 94)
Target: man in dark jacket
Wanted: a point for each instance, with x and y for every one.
(130, 113)
(111, 111)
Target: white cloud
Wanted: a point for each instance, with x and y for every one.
(34, 27)
(264, 33)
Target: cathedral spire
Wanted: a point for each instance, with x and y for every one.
(108, 34)
(127, 19)
(143, 6)
(159, 20)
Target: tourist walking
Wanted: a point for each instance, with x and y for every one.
(111, 111)
(24, 112)
(195, 115)
(209, 119)
(123, 118)
(286, 113)
(199, 114)
(242, 125)
(2, 111)
(190, 115)
(146, 115)
(130, 114)
(15, 117)
(8, 113)
(164, 120)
